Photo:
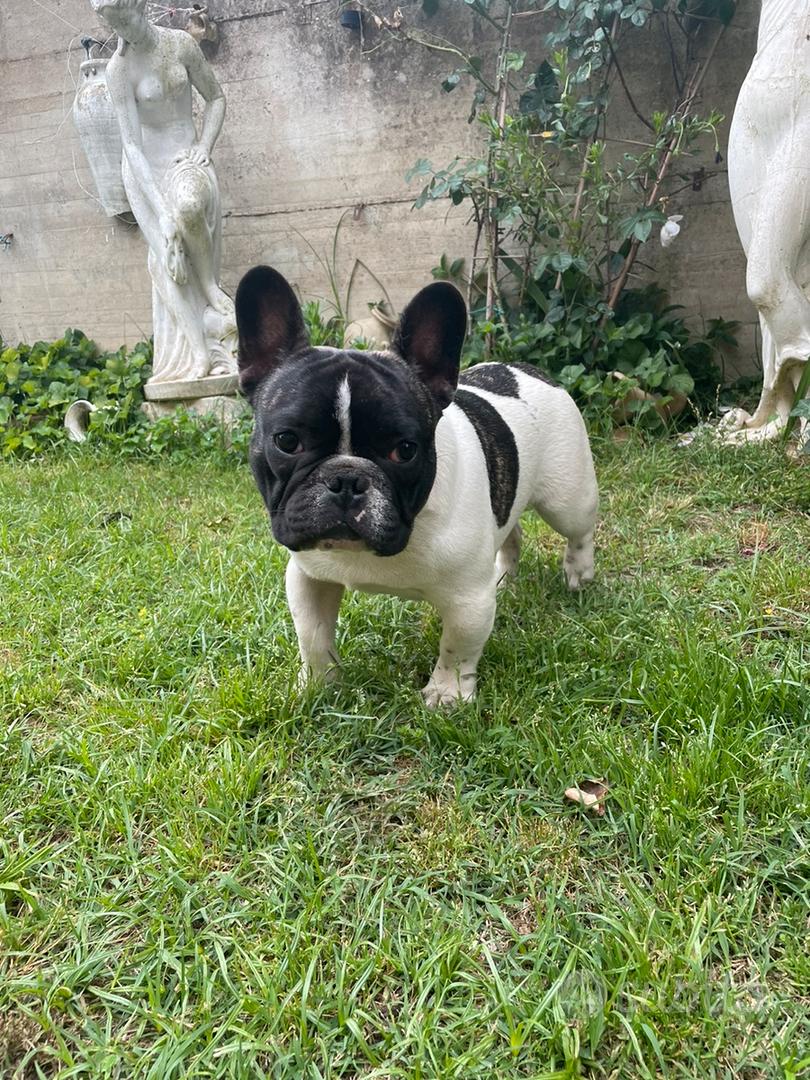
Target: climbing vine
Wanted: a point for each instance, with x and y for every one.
(563, 202)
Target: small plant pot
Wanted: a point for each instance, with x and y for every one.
(77, 419)
(377, 328)
(624, 413)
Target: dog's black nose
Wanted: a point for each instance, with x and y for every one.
(346, 486)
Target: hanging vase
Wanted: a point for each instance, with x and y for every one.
(97, 125)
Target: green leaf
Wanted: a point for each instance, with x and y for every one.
(422, 168)
(680, 382)
(544, 94)
(639, 225)
(562, 261)
(638, 325)
(514, 61)
(531, 288)
(570, 374)
(479, 97)
(541, 265)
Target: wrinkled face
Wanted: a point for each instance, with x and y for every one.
(343, 443)
(342, 450)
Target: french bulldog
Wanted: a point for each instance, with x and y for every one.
(387, 472)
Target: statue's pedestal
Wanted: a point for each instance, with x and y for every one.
(213, 396)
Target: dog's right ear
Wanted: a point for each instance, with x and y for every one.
(429, 338)
(270, 324)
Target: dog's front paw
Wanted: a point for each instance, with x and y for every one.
(448, 688)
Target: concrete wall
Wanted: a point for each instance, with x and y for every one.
(318, 131)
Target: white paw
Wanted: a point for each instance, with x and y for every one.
(578, 563)
(447, 688)
(577, 576)
(310, 677)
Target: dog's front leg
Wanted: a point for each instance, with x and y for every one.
(314, 606)
(466, 626)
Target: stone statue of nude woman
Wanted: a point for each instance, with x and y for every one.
(173, 191)
(769, 177)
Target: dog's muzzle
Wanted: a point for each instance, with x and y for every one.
(346, 504)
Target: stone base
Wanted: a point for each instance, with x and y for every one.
(186, 389)
(227, 409)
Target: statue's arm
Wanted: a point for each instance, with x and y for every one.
(126, 111)
(207, 86)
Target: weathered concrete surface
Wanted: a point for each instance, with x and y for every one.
(317, 132)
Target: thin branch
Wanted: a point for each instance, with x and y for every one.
(473, 261)
(428, 41)
(500, 27)
(620, 73)
(491, 223)
(676, 75)
(583, 175)
(690, 183)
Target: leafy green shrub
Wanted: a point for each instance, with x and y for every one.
(801, 411)
(38, 382)
(323, 330)
(562, 211)
(570, 340)
(182, 436)
(331, 330)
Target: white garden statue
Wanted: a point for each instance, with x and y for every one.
(769, 177)
(173, 192)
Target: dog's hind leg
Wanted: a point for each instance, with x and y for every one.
(507, 558)
(577, 526)
(578, 561)
(571, 508)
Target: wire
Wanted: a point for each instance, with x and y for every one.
(57, 16)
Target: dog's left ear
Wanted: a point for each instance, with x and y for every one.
(270, 324)
(430, 335)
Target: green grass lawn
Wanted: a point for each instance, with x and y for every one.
(205, 874)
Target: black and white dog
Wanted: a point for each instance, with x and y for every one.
(385, 472)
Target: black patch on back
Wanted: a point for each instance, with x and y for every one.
(500, 378)
(500, 451)
(536, 373)
(496, 378)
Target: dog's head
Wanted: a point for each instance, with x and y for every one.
(343, 443)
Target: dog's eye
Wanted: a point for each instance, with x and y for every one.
(288, 442)
(403, 451)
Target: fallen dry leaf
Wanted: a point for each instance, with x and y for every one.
(590, 794)
(754, 537)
